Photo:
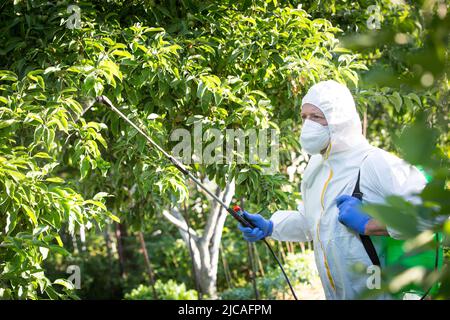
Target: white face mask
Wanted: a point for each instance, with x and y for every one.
(314, 137)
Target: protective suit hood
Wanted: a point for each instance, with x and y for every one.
(348, 147)
(337, 104)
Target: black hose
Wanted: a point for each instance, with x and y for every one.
(436, 266)
(282, 269)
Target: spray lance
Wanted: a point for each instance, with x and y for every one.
(237, 213)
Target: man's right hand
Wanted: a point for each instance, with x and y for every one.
(263, 227)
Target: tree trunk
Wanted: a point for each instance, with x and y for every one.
(365, 123)
(120, 252)
(226, 268)
(148, 264)
(191, 252)
(205, 249)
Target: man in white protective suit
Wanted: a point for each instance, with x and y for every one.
(329, 215)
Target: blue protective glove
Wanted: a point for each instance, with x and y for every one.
(263, 227)
(350, 213)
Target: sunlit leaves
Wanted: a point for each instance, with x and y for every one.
(6, 75)
(31, 214)
(33, 133)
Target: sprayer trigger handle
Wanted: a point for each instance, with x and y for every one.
(238, 214)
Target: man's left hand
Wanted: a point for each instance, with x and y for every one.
(350, 213)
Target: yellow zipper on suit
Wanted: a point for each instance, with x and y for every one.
(322, 203)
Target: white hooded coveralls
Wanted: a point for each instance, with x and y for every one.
(337, 248)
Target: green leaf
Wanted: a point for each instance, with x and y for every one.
(55, 180)
(52, 293)
(8, 75)
(59, 250)
(218, 98)
(11, 222)
(110, 67)
(16, 175)
(122, 53)
(113, 217)
(415, 98)
(9, 188)
(52, 69)
(58, 239)
(84, 166)
(242, 176)
(396, 101)
(50, 137)
(65, 283)
(351, 75)
(7, 123)
(100, 195)
(30, 214)
(42, 155)
(96, 203)
(201, 89)
(154, 29)
(89, 83)
(44, 251)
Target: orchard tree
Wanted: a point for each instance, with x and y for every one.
(222, 65)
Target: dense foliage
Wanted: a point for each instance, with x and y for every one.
(79, 187)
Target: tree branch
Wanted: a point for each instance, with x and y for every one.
(212, 223)
(179, 222)
(217, 237)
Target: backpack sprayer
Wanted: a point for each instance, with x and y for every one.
(237, 213)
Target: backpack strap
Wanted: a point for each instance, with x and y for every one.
(365, 239)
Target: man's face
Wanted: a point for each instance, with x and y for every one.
(311, 112)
